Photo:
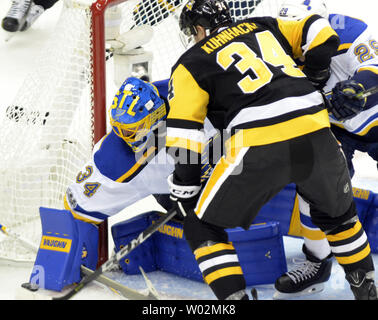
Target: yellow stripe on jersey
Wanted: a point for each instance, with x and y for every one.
(293, 32)
(189, 101)
(216, 179)
(76, 216)
(322, 36)
(222, 273)
(279, 132)
(369, 68)
(344, 46)
(368, 128)
(137, 165)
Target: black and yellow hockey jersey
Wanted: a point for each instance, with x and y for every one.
(244, 77)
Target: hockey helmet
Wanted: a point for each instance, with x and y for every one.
(136, 111)
(299, 9)
(209, 14)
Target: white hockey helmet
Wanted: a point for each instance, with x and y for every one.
(299, 9)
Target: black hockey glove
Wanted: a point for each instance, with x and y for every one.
(184, 197)
(318, 78)
(344, 104)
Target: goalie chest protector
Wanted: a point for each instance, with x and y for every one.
(260, 250)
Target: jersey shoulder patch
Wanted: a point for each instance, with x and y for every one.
(347, 28)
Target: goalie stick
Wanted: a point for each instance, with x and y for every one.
(123, 290)
(362, 95)
(119, 255)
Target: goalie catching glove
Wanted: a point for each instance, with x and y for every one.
(344, 103)
(184, 197)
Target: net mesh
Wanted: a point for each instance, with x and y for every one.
(47, 132)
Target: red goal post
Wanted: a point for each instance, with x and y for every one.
(59, 112)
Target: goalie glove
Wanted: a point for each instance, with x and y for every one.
(343, 103)
(184, 197)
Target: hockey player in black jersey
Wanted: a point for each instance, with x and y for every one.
(242, 76)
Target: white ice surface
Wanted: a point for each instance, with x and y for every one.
(16, 59)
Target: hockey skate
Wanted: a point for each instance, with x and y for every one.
(308, 278)
(362, 285)
(33, 14)
(16, 16)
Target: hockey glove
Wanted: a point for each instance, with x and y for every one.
(184, 197)
(318, 78)
(344, 104)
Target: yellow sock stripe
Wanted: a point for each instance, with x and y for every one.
(312, 234)
(223, 273)
(200, 252)
(345, 234)
(355, 257)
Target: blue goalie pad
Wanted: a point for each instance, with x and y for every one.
(260, 250)
(66, 244)
(144, 254)
(371, 225)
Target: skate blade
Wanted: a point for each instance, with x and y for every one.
(316, 288)
(8, 36)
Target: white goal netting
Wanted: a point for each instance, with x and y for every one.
(47, 132)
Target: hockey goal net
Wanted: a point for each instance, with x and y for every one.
(60, 110)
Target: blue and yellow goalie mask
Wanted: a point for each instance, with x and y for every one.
(136, 111)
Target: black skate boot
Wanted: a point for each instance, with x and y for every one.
(308, 278)
(16, 16)
(362, 285)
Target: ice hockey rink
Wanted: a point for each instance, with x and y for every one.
(16, 60)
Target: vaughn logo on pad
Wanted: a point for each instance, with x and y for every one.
(56, 244)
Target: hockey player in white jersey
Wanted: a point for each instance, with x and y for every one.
(130, 162)
(354, 123)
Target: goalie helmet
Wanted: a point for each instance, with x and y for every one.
(136, 111)
(299, 9)
(209, 14)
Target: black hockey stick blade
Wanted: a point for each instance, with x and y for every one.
(119, 255)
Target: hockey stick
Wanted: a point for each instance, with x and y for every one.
(119, 255)
(367, 93)
(123, 290)
(362, 95)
